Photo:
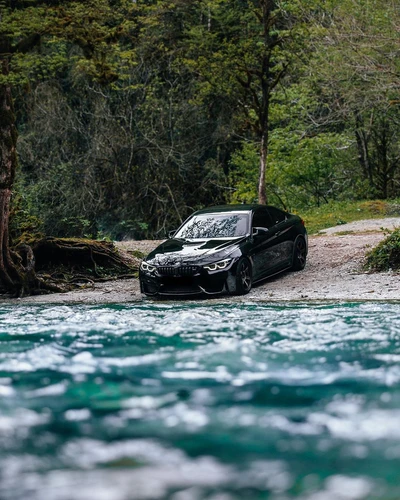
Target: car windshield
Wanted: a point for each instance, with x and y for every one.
(207, 226)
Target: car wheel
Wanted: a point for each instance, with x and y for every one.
(244, 278)
(299, 254)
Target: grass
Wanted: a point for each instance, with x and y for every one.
(343, 212)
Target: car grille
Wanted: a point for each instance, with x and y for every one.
(178, 271)
(180, 289)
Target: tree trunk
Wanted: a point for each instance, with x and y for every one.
(9, 275)
(262, 191)
(8, 272)
(363, 154)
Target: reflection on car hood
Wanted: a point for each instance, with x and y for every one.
(176, 251)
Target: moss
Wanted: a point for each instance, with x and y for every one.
(385, 256)
(137, 253)
(344, 233)
(378, 207)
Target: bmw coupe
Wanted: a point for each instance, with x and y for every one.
(225, 249)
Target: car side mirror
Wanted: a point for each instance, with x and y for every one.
(171, 234)
(259, 231)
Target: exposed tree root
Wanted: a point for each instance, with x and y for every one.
(63, 264)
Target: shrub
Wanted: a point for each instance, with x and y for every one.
(386, 255)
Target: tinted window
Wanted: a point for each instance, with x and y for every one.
(277, 215)
(261, 218)
(207, 226)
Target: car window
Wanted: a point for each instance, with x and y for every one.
(217, 225)
(261, 218)
(277, 215)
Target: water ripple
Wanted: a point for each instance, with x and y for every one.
(200, 400)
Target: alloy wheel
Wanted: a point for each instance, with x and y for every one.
(245, 276)
(301, 254)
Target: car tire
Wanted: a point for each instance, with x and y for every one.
(244, 279)
(299, 254)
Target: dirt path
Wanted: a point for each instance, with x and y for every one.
(333, 272)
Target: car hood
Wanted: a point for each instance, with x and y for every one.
(176, 251)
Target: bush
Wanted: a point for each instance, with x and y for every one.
(385, 256)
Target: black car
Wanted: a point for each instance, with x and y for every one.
(225, 250)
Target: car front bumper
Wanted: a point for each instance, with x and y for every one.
(199, 284)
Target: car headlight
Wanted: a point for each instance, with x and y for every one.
(147, 268)
(218, 266)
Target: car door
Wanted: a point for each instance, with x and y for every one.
(285, 235)
(265, 251)
(284, 239)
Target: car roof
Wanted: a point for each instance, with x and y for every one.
(231, 208)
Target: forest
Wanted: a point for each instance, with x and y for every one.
(118, 118)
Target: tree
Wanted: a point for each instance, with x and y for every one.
(28, 31)
(128, 160)
(242, 50)
(355, 72)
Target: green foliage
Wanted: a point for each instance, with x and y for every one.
(302, 171)
(133, 114)
(76, 226)
(44, 38)
(354, 74)
(309, 171)
(103, 162)
(244, 173)
(385, 256)
(57, 199)
(24, 227)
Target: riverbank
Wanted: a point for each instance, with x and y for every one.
(333, 272)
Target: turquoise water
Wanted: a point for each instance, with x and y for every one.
(209, 400)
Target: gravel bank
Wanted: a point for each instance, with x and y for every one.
(333, 273)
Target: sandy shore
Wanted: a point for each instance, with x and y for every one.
(333, 272)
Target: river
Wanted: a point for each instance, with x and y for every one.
(190, 401)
